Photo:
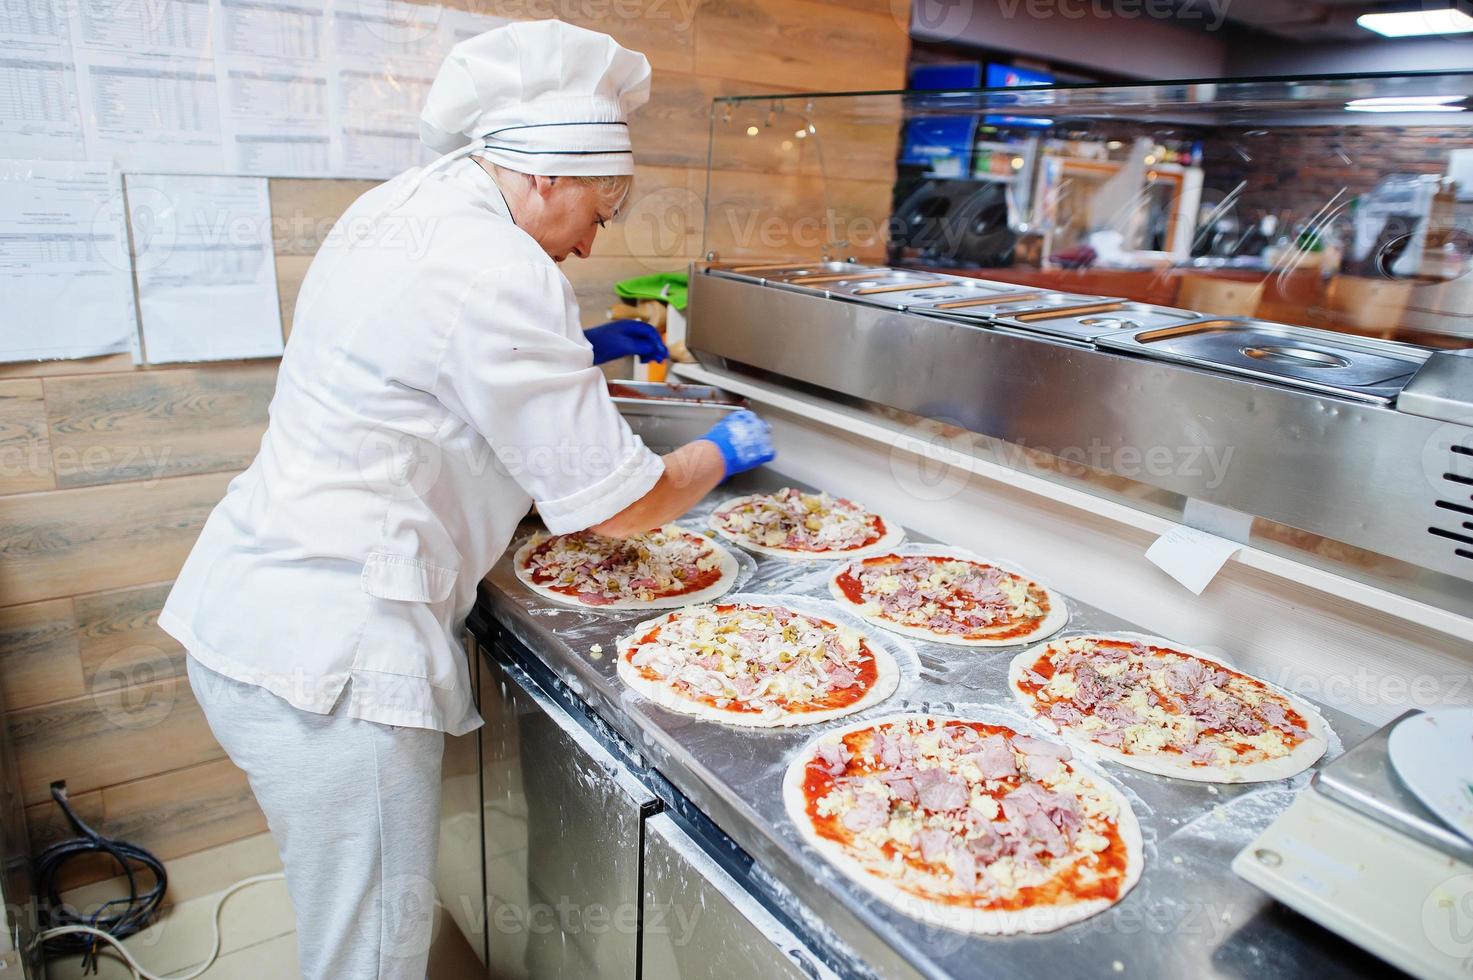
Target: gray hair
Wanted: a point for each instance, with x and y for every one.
(613, 189)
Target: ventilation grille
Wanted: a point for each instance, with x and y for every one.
(1458, 508)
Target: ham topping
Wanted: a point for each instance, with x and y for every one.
(1154, 700)
(762, 658)
(945, 595)
(798, 521)
(965, 809)
(599, 570)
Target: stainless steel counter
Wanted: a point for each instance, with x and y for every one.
(1189, 916)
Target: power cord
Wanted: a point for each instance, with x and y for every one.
(66, 932)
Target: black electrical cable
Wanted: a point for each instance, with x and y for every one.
(120, 917)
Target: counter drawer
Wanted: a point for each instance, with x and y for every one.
(562, 820)
(701, 924)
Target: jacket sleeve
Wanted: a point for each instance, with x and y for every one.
(516, 368)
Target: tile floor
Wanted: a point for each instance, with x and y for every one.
(258, 935)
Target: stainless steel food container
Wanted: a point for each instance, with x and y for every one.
(1097, 321)
(667, 416)
(1355, 367)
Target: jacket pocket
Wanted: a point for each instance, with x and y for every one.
(403, 579)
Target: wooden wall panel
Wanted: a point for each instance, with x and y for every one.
(303, 212)
(25, 449)
(118, 634)
(110, 737)
(48, 369)
(171, 814)
(803, 45)
(39, 657)
(150, 425)
(71, 541)
(89, 544)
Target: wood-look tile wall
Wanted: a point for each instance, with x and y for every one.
(108, 471)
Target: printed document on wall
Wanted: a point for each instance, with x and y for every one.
(147, 84)
(64, 281)
(382, 60)
(273, 84)
(40, 118)
(206, 267)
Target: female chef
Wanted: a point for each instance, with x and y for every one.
(429, 395)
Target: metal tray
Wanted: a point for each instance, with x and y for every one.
(667, 416)
(777, 272)
(1354, 367)
(1365, 780)
(1013, 305)
(1107, 318)
(950, 289)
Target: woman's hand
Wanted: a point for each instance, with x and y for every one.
(620, 338)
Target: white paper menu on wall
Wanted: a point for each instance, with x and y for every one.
(273, 78)
(40, 118)
(65, 290)
(382, 58)
(206, 268)
(147, 85)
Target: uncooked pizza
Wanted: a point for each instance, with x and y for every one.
(949, 599)
(755, 664)
(1164, 708)
(965, 824)
(792, 524)
(666, 567)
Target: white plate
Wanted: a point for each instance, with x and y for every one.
(1433, 755)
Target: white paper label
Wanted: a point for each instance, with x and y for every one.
(1190, 556)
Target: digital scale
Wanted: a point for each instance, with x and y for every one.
(1358, 853)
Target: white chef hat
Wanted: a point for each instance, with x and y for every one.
(542, 97)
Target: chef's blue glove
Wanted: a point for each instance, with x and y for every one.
(745, 442)
(620, 338)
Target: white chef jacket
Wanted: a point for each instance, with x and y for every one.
(436, 383)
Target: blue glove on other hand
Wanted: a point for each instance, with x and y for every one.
(620, 338)
(745, 442)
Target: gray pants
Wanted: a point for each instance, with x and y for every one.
(354, 807)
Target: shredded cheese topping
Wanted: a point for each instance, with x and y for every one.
(950, 596)
(746, 658)
(598, 570)
(968, 814)
(796, 521)
(1152, 700)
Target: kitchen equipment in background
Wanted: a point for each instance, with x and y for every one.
(1433, 757)
(954, 221)
(1353, 367)
(1011, 305)
(1359, 854)
(667, 416)
(1102, 319)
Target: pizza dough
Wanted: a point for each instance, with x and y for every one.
(1164, 708)
(992, 831)
(949, 599)
(789, 523)
(671, 566)
(755, 664)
